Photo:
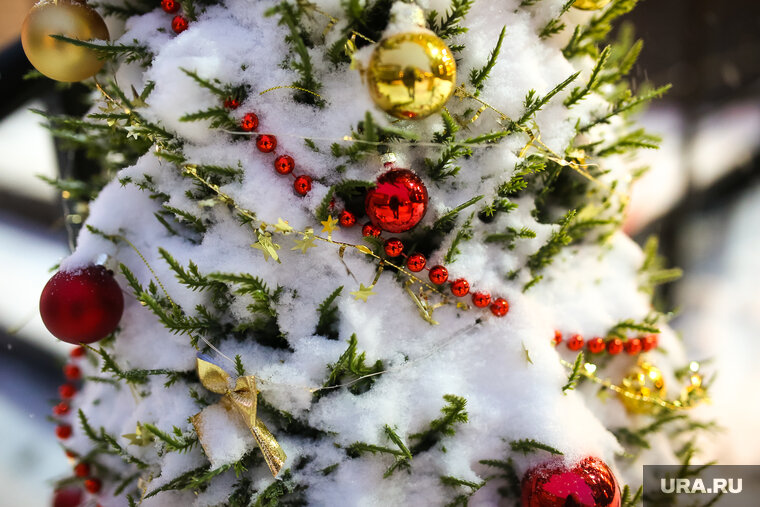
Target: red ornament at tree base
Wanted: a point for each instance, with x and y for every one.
(398, 202)
(82, 306)
(589, 483)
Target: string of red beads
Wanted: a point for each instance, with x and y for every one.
(613, 346)
(283, 164)
(179, 22)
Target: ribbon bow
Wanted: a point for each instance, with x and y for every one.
(243, 400)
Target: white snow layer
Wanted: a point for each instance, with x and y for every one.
(586, 290)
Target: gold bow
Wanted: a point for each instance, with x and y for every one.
(243, 399)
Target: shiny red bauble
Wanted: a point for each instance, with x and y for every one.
(369, 230)
(397, 202)
(596, 345)
(249, 122)
(615, 346)
(179, 24)
(393, 247)
(438, 274)
(633, 346)
(346, 219)
(170, 6)
(266, 143)
(500, 307)
(284, 164)
(575, 342)
(93, 485)
(589, 483)
(416, 262)
(68, 497)
(302, 185)
(460, 287)
(82, 306)
(649, 342)
(481, 299)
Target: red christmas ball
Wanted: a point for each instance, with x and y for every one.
(398, 202)
(589, 483)
(231, 103)
(649, 342)
(249, 122)
(393, 247)
(346, 219)
(67, 497)
(72, 372)
(82, 470)
(266, 143)
(596, 345)
(284, 164)
(82, 306)
(615, 346)
(438, 275)
(170, 6)
(500, 307)
(78, 352)
(179, 24)
(575, 342)
(557, 337)
(369, 230)
(460, 287)
(61, 409)
(67, 391)
(93, 485)
(416, 262)
(302, 185)
(481, 299)
(633, 346)
(63, 431)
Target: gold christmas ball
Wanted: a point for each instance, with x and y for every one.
(644, 380)
(56, 59)
(590, 5)
(411, 75)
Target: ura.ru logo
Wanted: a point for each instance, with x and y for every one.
(697, 485)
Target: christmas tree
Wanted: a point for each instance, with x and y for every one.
(359, 253)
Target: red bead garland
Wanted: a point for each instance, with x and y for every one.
(67, 391)
(481, 299)
(393, 247)
(346, 219)
(557, 337)
(575, 342)
(93, 485)
(170, 6)
(62, 408)
(249, 122)
(266, 143)
(633, 346)
(179, 24)
(78, 352)
(72, 372)
(284, 164)
(460, 287)
(500, 307)
(615, 346)
(63, 431)
(302, 185)
(231, 103)
(371, 230)
(649, 342)
(82, 470)
(416, 262)
(596, 345)
(438, 275)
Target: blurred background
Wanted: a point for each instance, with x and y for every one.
(702, 196)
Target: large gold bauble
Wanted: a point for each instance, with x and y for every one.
(644, 380)
(590, 5)
(56, 59)
(411, 75)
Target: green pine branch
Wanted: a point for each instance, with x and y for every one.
(620, 329)
(556, 25)
(529, 445)
(575, 374)
(450, 24)
(594, 81)
(328, 315)
(177, 441)
(585, 37)
(446, 221)
(465, 233)
(625, 104)
(111, 51)
(478, 77)
(454, 413)
(349, 367)
(533, 103)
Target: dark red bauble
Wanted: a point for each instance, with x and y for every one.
(250, 122)
(170, 6)
(67, 497)
(93, 485)
(302, 185)
(369, 230)
(393, 247)
(82, 470)
(82, 306)
(284, 164)
(633, 346)
(67, 391)
(398, 202)
(649, 342)
(63, 431)
(62, 408)
(460, 287)
(500, 307)
(346, 219)
(72, 372)
(589, 483)
(481, 299)
(266, 143)
(179, 24)
(615, 346)
(557, 337)
(416, 262)
(438, 274)
(596, 345)
(575, 342)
